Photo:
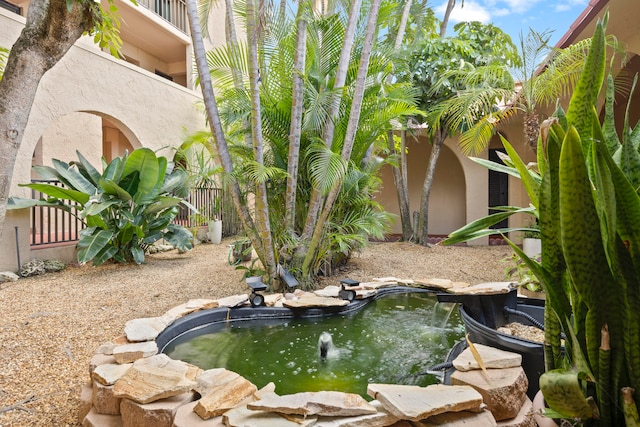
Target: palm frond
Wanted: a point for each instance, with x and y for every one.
(325, 167)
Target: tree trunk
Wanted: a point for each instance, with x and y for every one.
(297, 108)
(211, 108)
(261, 203)
(349, 137)
(51, 28)
(445, 20)
(401, 183)
(423, 223)
(316, 200)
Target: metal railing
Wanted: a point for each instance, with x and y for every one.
(51, 225)
(172, 11)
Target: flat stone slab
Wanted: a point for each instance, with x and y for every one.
(524, 417)
(233, 301)
(308, 301)
(396, 280)
(154, 378)
(241, 416)
(131, 352)
(224, 397)
(109, 373)
(489, 288)
(382, 418)
(491, 357)
(211, 379)
(460, 419)
(145, 329)
(330, 291)
(326, 403)
(416, 403)
(185, 417)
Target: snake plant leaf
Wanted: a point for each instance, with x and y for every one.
(59, 192)
(495, 166)
(586, 91)
(563, 393)
(609, 125)
(480, 227)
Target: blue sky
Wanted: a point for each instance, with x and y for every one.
(514, 16)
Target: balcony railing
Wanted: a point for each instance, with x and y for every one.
(51, 226)
(172, 11)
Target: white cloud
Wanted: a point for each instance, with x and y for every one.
(472, 11)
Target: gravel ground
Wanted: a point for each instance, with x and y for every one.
(50, 325)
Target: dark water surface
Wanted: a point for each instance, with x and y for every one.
(386, 341)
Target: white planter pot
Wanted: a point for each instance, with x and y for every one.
(531, 247)
(215, 231)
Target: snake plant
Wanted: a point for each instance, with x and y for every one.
(585, 195)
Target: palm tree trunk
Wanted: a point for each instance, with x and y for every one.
(316, 200)
(423, 222)
(213, 116)
(349, 137)
(51, 28)
(261, 204)
(295, 132)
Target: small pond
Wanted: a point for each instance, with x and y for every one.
(387, 340)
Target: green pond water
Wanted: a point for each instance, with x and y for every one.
(385, 342)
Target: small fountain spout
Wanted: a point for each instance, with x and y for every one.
(325, 345)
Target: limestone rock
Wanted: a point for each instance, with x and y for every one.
(365, 293)
(154, 378)
(491, 357)
(186, 417)
(104, 399)
(99, 359)
(233, 301)
(224, 397)
(241, 416)
(524, 417)
(377, 284)
(86, 401)
(490, 288)
(32, 268)
(189, 307)
(459, 419)
(211, 379)
(106, 348)
(435, 283)
(155, 414)
(330, 291)
(8, 276)
(94, 419)
(109, 373)
(145, 329)
(131, 352)
(53, 265)
(503, 390)
(379, 419)
(326, 403)
(273, 300)
(315, 301)
(417, 403)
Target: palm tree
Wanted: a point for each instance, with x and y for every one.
(495, 92)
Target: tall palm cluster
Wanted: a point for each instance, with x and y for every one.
(308, 129)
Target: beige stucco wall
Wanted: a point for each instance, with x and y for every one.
(86, 86)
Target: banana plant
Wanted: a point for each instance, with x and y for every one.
(588, 207)
(125, 209)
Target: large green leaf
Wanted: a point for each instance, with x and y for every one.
(88, 170)
(20, 203)
(92, 244)
(59, 192)
(110, 187)
(145, 162)
(73, 178)
(563, 392)
(480, 227)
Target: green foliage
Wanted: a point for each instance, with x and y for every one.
(126, 208)
(250, 270)
(589, 216)
(518, 271)
(355, 216)
(4, 54)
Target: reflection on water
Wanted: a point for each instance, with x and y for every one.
(388, 339)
